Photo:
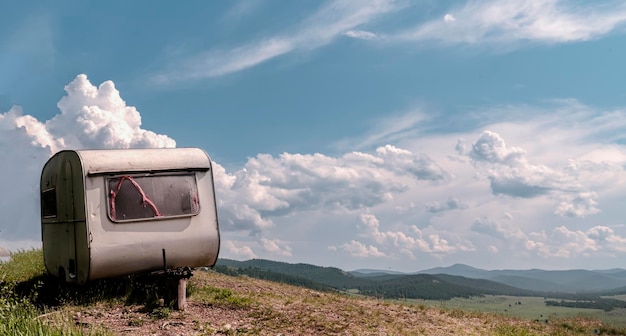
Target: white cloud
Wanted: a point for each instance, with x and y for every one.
(91, 117)
(510, 173)
(512, 21)
(490, 147)
(358, 249)
(331, 21)
(269, 186)
(276, 247)
(408, 242)
(580, 205)
(607, 238)
(405, 162)
(238, 249)
(448, 18)
(361, 34)
(564, 243)
(97, 117)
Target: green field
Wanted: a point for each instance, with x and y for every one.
(532, 308)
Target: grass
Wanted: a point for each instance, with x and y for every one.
(530, 308)
(33, 303)
(225, 297)
(28, 293)
(19, 315)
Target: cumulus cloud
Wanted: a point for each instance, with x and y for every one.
(607, 238)
(581, 205)
(405, 162)
(514, 21)
(510, 173)
(276, 247)
(269, 186)
(238, 249)
(97, 117)
(358, 249)
(407, 242)
(90, 117)
(490, 147)
(562, 243)
(448, 18)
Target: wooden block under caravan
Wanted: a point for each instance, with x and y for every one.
(108, 213)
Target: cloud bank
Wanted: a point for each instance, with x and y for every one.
(501, 191)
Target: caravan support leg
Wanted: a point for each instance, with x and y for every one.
(181, 302)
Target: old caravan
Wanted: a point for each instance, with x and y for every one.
(108, 213)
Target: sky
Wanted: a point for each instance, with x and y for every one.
(395, 135)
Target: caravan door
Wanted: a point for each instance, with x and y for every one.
(69, 221)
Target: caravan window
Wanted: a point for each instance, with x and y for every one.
(49, 203)
(137, 197)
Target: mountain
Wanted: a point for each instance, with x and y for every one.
(567, 281)
(528, 283)
(459, 270)
(374, 272)
(485, 286)
(444, 280)
(399, 285)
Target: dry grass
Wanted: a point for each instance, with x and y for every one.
(224, 305)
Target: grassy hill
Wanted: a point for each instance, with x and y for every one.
(32, 303)
(328, 276)
(389, 286)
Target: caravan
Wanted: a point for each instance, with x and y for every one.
(108, 213)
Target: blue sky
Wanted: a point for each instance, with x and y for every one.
(360, 134)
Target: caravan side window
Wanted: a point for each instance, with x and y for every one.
(150, 196)
(49, 203)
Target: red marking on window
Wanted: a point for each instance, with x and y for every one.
(144, 198)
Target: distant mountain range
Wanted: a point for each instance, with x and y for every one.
(437, 283)
(377, 284)
(568, 281)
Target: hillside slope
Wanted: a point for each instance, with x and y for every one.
(34, 303)
(259, 307)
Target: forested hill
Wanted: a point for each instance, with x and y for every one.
(423, 286)
(567, 281)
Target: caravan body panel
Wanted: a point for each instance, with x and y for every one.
(129, 206)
